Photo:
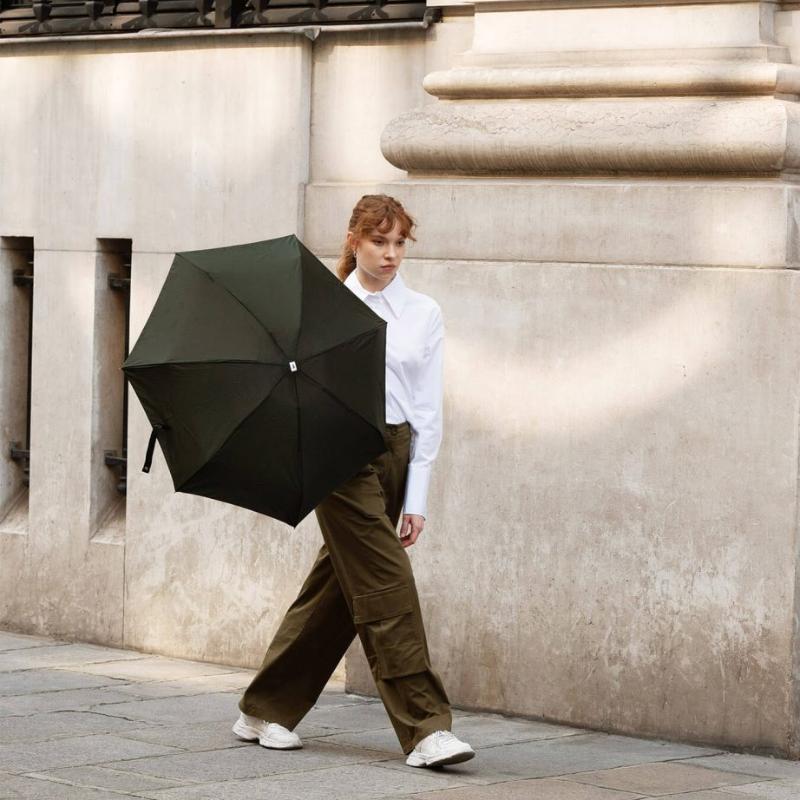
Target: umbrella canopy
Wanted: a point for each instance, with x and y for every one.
(263, 377)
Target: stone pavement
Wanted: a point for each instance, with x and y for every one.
(82, 721)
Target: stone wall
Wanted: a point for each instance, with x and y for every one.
(607, 206)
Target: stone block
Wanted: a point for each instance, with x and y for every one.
(75, 751)
(102, 778)
(238, 763)
(663, 778)
(64, 700)
(58, 724)
(28, 681)
(353, 782)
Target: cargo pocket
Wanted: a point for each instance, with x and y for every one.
(388, 620)
(362, 494)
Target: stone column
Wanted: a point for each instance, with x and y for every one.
(624, 87)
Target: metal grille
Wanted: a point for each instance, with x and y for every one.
(49, 17)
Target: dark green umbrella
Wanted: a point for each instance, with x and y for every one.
(263, 377)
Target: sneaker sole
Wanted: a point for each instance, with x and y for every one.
(453, 758)
(273, 745)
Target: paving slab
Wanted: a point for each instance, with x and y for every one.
(478, 731)
(492, 729)
(305, 729)
(764, 766)
(59, 724)
(228, 682)
(663, 778)
(150, 668)
(354, 782)
(768, 790)
(337, 697)
(61, 655)
(467, 773)
(27, 788)
(242, 762)
(382, 741)
(21, 641)
(191, 737)
(207, 707)
(34, 681)
(710, 794)
(75, 751)
(352, 717)
(539, 788)
(63, 700)
(567, 755)
(104, 778)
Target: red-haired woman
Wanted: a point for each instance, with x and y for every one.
(362, 582)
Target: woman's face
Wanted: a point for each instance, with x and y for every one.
(378, 256)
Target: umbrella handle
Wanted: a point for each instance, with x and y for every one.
(151, 445)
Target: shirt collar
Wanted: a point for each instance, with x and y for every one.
(395, 294)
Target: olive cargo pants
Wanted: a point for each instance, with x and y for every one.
(361, 583)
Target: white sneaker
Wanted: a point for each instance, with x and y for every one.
(267, 734)
(439, 747)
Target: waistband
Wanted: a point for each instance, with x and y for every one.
(393, 428)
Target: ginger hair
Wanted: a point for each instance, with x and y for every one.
(373, 212)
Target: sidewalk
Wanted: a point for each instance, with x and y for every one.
(81, 721)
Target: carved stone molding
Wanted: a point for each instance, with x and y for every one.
(519, 105)
(740, 136)
(693, 79)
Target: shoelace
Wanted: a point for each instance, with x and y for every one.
(445, 737)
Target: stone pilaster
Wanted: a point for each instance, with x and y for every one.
(632, 88)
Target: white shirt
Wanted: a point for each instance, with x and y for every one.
(414, 382)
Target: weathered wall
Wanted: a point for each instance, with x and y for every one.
(174, 145)
(612, 532)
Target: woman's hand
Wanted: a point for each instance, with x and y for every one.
(410, 528)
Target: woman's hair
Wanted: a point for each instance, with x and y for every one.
(373, 212)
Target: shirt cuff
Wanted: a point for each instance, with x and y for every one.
(419, 477)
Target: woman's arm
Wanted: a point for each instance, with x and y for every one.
(427, 388)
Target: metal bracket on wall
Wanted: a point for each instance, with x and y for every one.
(121, 282)
(22, 278)
(119, 462)
(116, 281)
(23, 457)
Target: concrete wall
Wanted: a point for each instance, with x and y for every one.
(612, 534)
(172, 144)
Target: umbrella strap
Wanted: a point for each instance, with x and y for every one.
(151, 445)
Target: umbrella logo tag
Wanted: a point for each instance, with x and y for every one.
(293, 366)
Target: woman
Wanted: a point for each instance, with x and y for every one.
(361, 582)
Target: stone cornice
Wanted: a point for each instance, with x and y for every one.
(622, 57)
(692, 79)
(639, 87)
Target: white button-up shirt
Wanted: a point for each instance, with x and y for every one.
(414, 375)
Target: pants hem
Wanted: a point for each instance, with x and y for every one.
(441, 722)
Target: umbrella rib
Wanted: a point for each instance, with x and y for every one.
(229, 292)
(331, 394)
(299, 450)
(241, 422)
(341, 344)
(209, 361)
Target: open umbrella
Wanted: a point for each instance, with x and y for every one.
(263, 377)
